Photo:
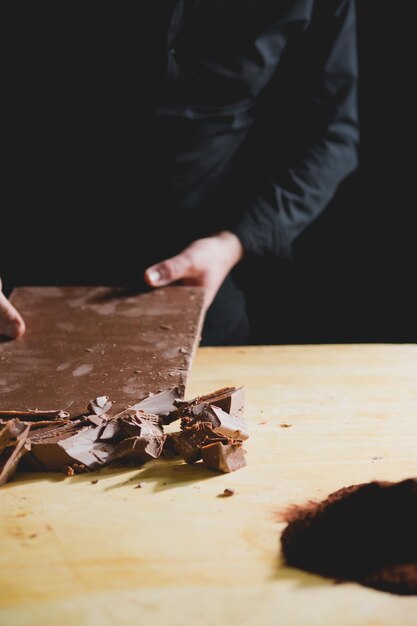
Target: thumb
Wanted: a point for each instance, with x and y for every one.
(11, 323)
(170, 270)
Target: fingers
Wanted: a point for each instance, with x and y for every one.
(176, 268)
(11, 322)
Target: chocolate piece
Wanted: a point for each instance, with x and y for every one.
(97, 420)
(41, 424)
(136, 435)
(100, 405)
(12, 455)
(223, 423)
(229, 399)
(188, 443)
(56, 431)
(227, 493)
(135, 423)
(132, 435)
(66, 448)
(160, 403)
(33, 415)
(9, 434)
(139, 449)
(110, 430)
(85, 449)
(223, 457)
(63, 322)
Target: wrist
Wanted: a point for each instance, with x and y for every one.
(233, 245)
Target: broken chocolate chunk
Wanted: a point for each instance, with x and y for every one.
(223, 457)
(160, 403)
(68, 447)
(100, 405)
(48, 440)
(188, 442)
(139, 449)
(12, 455)
(223, 423)
(10, 433)
(229, 399)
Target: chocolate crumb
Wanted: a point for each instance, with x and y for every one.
(226, 493)
(32, 536)
(261, 423)
(94, 482)
(139, 486)
(285, 425)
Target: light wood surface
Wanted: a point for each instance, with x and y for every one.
(172, 552)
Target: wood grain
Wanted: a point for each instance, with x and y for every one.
(172, 552)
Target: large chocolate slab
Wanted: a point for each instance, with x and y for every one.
(84, 342)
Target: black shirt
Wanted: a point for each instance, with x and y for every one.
(256, 119)
(137, 130)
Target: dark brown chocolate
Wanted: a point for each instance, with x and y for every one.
(130, 355)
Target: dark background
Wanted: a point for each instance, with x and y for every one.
(352, 278)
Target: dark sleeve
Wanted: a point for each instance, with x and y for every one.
(321, 151)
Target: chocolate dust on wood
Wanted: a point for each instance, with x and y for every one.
(364, 533)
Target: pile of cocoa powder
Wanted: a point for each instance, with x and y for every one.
(365, 533)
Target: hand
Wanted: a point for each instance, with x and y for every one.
(11, 322)
(204, 263)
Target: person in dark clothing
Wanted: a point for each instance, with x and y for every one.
(246, 127)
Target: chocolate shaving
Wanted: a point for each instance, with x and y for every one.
(33, 415)
(12, 456)
(10, 433)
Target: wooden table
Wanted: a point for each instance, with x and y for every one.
(172, 552)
